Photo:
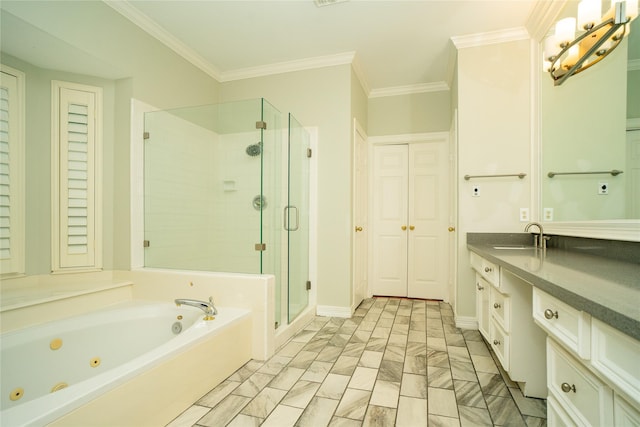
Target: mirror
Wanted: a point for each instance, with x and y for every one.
(584, 129)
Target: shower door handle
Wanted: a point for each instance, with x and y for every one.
(287, 226)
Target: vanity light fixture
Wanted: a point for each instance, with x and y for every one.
(566, 54)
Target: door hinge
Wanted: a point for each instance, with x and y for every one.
(308, 285)
(146, 243)
(309, 152)
(261, 125)
(145, 135)
(261, 247)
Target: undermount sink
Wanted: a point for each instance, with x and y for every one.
(504, 247)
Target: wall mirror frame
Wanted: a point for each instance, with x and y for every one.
(616, 229)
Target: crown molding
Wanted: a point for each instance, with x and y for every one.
(633, 65)
(409, 89)
(542, 17)
(288, 66)
(152, 28)
(492, 37)
(362, 77)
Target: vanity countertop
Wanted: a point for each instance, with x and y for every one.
(608, 289)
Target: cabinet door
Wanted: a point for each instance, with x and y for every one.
(483, 289)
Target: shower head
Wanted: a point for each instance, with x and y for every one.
(254, 149)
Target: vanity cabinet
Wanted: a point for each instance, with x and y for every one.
(593, 371)
(504, 302)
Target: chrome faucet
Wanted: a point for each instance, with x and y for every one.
(540, 240)
(209, 309)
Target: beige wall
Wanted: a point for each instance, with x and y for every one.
(411, 113)
(151, 73)
(321, 98)
(493, 138)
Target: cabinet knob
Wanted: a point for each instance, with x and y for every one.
(404, 227)
(412, 227)
(566, 387)
(488, 269)
(479, 287)
(358, 228)
(550, 314)
(451, 229)
(496, 342)
(496, 305)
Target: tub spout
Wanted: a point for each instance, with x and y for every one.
(209, 309)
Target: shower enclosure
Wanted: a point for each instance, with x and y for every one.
(226, 189)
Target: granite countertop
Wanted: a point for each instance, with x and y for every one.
(606, 288)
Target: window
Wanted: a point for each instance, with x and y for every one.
(76, 184)
(12, 193)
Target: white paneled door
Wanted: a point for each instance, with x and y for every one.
(410, 220)
(361, 227)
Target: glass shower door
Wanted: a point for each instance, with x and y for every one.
(296, 218)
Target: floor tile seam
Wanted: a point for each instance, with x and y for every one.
(488, 394)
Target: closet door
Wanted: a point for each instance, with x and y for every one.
(409, 220)
(389, 220)
(428, 259)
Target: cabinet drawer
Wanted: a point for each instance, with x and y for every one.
(587, 400)
(556, 416)
(499, 341)
(569, 326)
(500, 308)
(617, 357)
(486, 268)
(624, 414)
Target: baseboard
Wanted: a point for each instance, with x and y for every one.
(466, 322)
(333, 311)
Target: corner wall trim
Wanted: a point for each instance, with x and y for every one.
(333, 311)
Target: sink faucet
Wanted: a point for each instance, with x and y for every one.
(209, 309)
(540, 240)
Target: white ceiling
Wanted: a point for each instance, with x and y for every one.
(396, 43)
(393, 44)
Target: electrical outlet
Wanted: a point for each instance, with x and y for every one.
(603, 188)
(547, 214)
(524, 214)
(475, 191)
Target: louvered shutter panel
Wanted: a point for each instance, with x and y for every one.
(5, 179)
(78, 192)
(11, 173)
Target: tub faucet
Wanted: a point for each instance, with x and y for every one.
(540, 240)
(209, 309)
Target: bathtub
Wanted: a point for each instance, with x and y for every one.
(135, 363)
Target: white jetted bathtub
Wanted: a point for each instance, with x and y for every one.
(134, 364)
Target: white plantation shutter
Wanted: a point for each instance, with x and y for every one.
(12, 238)
(77, 226)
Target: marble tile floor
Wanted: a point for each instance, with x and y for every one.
(396, 362)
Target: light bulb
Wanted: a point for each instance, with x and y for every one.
(588, 13)
(565, 31)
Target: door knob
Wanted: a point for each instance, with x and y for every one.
(404, 227)
(358, 228)
(412, 227)
(451, 229)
